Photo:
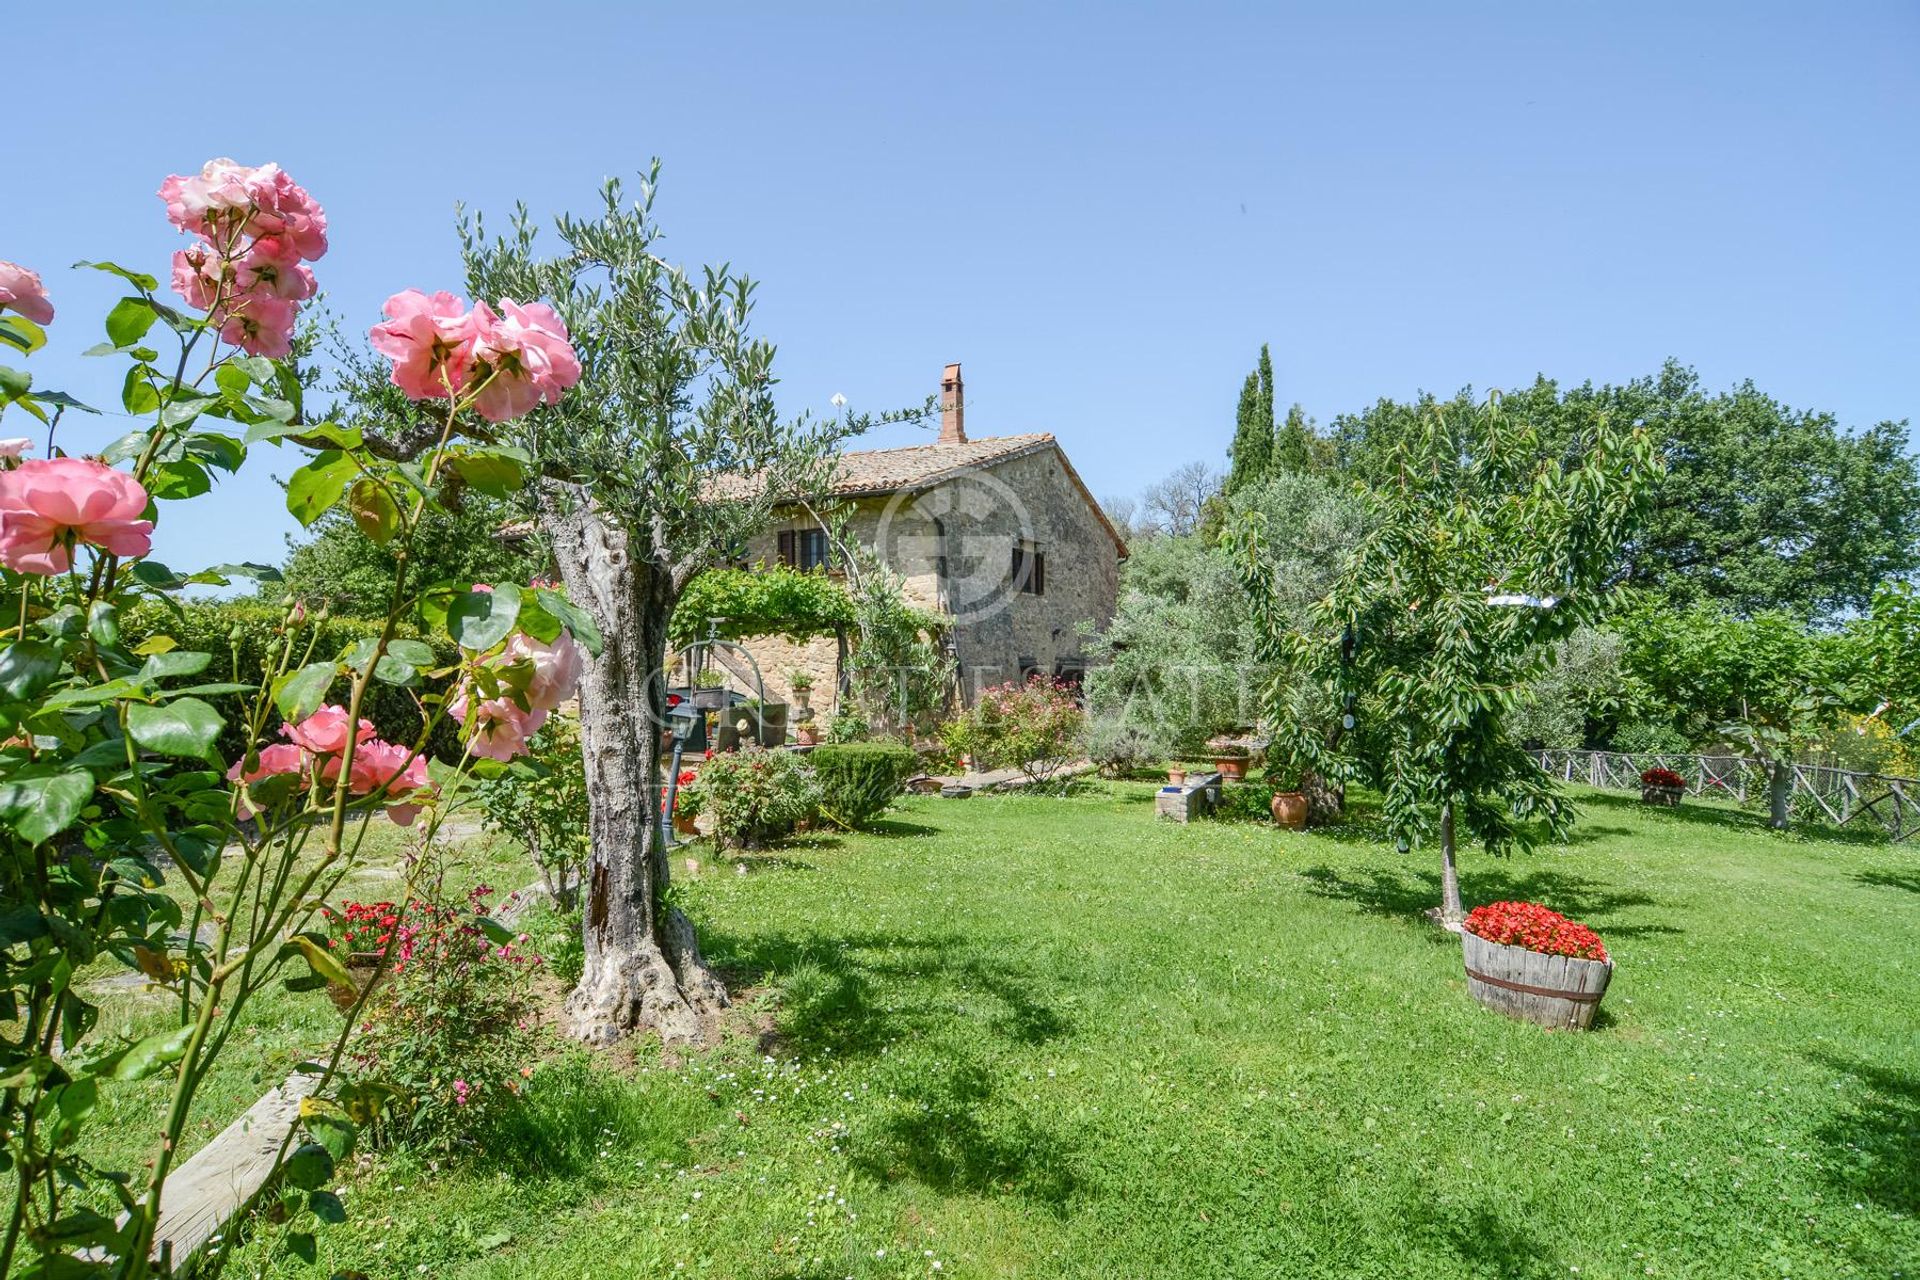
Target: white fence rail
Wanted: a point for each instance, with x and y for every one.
(1840, 794)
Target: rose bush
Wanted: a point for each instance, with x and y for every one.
(452, 1031)
(1035, 727)
(111, 769)
(755, 795)
(1536, 928)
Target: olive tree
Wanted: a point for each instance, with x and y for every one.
(668, 454)
(1483, 550)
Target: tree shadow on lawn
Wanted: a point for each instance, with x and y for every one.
(1746, 822)
(855, 995)
(1901, 878)
(1874, 1149)
(831, 998)
(1410, 892)
(1480, 1237)
(953, 1137)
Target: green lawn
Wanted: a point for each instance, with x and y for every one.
(1039, 1037)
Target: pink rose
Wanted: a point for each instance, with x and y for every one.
(259, 325)
(430, 341)
(48, 504)
(281, 757)
(556, 667)
(20, 288)
(529, 355)
(386, 767)
(223, 195)
(286, 211)
(500, 728)
(265, 269)
(325, 731)
(197, 273)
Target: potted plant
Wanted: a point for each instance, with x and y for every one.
(803, 731)
(800, 680)
(684, 809)
(1530, 962)
(1289, 803)
(709, 691)
(1176, 775)
(1229, 759)
(1661, 786)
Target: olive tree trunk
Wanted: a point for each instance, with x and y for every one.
(643, 965)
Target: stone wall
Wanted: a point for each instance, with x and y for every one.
(953, 545)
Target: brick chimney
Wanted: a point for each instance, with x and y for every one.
(953, 407)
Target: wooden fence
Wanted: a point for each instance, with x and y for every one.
(1840, 794)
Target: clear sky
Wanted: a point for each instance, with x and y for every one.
(1102, 211)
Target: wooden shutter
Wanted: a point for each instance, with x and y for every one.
(785, 549)
(1039, 573)
(1019, 567)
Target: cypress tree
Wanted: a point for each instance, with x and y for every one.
(1250, 457)
(1293, 443)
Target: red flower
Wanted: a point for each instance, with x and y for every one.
(1530, 925)
(1658, 777)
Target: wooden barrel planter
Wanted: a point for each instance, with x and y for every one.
(1561, 992)
(1668, 797)
(362, 966)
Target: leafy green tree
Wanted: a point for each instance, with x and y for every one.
(669, 452)
(1585, 688)
(1702, 668)
(1763, 506)
(1886, 646)
(342, 569)
(1293, 443)
(1484, 552)
(1179, 659)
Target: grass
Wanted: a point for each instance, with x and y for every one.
(277, 1031)
(1039, 1037)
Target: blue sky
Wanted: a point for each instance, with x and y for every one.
(1102, 211)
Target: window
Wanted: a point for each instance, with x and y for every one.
(803, 549)
(1029, 569)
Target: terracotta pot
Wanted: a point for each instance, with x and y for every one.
(1290, 809)
(1231, 767)
(683, 826)
(1177, 777)
(806, 737)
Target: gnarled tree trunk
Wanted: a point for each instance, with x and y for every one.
(643, 964)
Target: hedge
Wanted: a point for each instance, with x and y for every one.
(858, 780)
(221, 627)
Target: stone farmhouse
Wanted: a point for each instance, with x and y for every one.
(998, 533)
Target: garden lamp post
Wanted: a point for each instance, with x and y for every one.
(680, 719)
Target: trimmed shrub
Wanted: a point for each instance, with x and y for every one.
(244, 636)
(858, 780)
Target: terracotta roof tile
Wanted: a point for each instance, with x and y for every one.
(918, 466)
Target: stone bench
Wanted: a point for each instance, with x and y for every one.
(1194, 798)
